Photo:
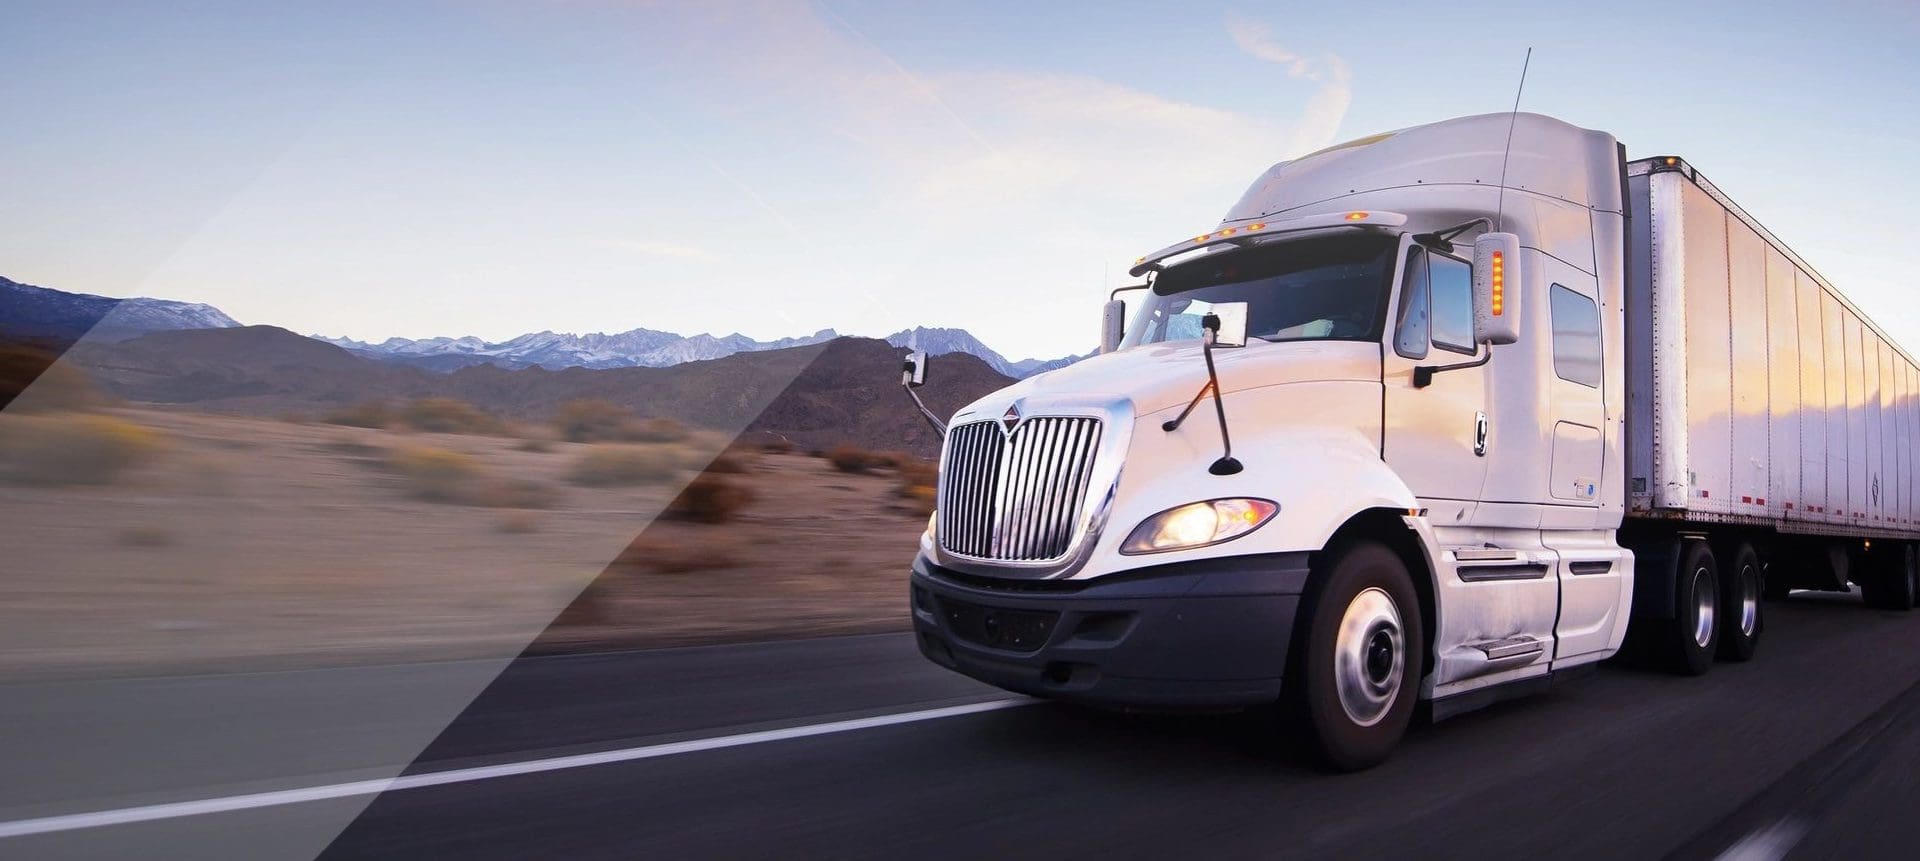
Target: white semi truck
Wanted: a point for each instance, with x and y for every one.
(1430, 417)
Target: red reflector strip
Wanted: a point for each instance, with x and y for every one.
(1789, 506)
(1760, 502)
(1704, 494)
(1747, 499)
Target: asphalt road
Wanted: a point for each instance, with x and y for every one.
(1812, 750)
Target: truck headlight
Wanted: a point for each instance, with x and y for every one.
(1198, 525)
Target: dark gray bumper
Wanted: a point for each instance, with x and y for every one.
(1211, 633)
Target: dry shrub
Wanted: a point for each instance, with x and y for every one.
(709, 499)
(733, 461)
(847, 457)
(890, 459)
(670, 557)
(776, 445)
(73, 448)
(535, 445)
(371, 414)
(616, 466)
(660, 430)
(593, 421)
(511, 493)
(918, 483)
(436, 474)
(448, 415)
(56, 385)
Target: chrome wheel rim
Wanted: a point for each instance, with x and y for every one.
(1749, 601)
(1702, 606)
(1369, 656)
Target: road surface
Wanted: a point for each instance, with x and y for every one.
(856, 747)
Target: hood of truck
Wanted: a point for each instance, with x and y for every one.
(1158, 376)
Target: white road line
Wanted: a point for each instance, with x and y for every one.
(251, 801)
(1770, 843)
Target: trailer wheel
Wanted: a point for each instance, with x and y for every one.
(1740, 605)
(1694, 633)
(1354, 683)
(1895, 580)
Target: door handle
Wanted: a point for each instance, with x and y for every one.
(1480, 434)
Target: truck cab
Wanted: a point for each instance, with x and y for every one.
(1423, 394)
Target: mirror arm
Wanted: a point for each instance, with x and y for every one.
(906, 384)
(1423, 374)
(933, 421)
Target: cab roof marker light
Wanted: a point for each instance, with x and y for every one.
(1150, 262)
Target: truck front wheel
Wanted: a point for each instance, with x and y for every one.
(1357, 673)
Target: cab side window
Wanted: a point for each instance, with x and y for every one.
(1412, 323)
(1576, 337)
(1452, 290)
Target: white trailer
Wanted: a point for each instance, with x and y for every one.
(1429, 418)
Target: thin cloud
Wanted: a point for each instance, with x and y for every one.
(662, 249)
(1320, 122)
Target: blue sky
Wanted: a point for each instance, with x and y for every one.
(780, 167)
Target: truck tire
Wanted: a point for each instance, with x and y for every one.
(1694, 634)
(1891, 582)
(1740, 605)
(1357, 667)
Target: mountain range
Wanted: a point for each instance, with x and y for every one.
(39, 312)
(31, 312)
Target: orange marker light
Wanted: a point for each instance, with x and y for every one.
(1356, 216)
(1227, 232)
(1499, 283)
(1671, 161)
(1202, 237)
(1258, 225)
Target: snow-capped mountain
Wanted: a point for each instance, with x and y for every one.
(646, 348)
(936, 341)
(29, 311)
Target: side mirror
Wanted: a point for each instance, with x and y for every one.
(1113, 321)
(913, 374)
(1497, 288)
(1228, 320)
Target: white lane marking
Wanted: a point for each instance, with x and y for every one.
(1770, 843)
(251, 801)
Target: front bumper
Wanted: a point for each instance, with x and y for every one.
(1203, 634)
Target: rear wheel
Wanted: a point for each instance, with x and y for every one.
(1740, 604)
(1357, 671)
(1694, 634)
(1894, 579)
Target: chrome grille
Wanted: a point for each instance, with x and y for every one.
(1018, 496)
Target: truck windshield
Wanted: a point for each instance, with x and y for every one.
(1322, 288)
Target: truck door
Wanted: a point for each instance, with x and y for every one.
(1434, 437)
(1593, 572)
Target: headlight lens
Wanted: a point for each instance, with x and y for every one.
(1198, 525)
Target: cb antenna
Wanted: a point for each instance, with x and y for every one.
(1500, 212)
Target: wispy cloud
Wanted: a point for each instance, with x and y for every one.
(1320, 122)
(661, 249)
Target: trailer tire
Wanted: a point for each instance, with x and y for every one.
(1358, 662)
(1895, 580)
(1694, 633)
(1740, 605)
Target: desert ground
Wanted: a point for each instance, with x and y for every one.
(145, 541)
